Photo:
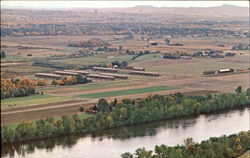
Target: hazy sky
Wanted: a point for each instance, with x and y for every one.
(114, 4)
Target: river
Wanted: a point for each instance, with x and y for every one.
(112, 143)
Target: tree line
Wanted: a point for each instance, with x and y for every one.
(141, 53)
(17, 87)
(230, 146)
(126, 112)
(70, 80)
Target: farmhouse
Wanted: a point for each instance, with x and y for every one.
(216, 56)
(211, 72)
(116, 75)
(144, 73)
(104, 69)
(230, 54)
(153, 43)
(65, 73)
(78, 71)
(47, 75)
(89, 80)
(100, 77)
(185, 57)
(225, 70)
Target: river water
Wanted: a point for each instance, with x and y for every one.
(113, 142)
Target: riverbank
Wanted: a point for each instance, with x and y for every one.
(111, 143)
(225, 146)
(127, 112)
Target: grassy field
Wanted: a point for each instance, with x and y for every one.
(94, 59)
(31, 100)
(81, 116)
(195, 66)
(127, 92)
(92, 86)
(104, 85)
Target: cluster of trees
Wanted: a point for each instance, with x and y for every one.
(46, 128)
(41, 82)
(90, 66)
(2, 54)
(197, 54)
(70, 80)
(126, 112)
(89, 44)
(230, 146)
(16, 87)
(241, 47)
(122, 64)
(53, 65)
(130, 52)
(141, 53)
(176, 55)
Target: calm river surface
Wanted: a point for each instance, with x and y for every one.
(113, 142)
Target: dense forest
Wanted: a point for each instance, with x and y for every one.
(222, 147)
(126, 112)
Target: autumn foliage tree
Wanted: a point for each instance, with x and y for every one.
(16, 88)
(41, 83)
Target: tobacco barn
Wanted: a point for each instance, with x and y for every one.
(104, 69)
(65, 73)
(125, 77)
(100, 77)
(47, 75)
(78, 71)
(144, 73)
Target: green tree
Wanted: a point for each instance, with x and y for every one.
(248, 92)
(127, 155)
(80, 79)
(124, 64)
(54, 82)
(167, 41)
(142, 153)
(103, 105)
(238, 89)
(81, 108)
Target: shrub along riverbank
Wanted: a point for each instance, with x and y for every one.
(125, 112)
(230, 146)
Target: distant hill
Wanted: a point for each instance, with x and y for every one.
(224, 10)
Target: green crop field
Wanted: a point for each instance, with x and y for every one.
(31, 100)
(91, 86)
(127, 92)
(104, 85)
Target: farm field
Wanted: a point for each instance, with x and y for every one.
(190, 85)
(127, 92)
(31, 100)
(183, 73)
(195, 66)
